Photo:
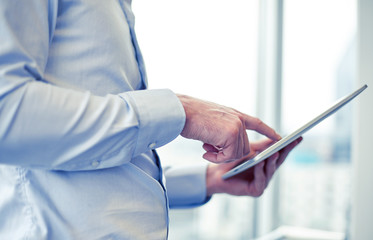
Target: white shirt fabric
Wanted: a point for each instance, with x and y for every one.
(78, 127)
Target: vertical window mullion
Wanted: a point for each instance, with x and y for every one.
(269, 97)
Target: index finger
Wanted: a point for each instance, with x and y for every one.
(253, 123)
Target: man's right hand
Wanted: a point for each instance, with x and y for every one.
(221, 129)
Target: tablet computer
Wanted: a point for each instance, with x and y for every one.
(294, 135)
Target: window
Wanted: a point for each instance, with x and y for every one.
(318, 67)
(209, 49)
(206, 49)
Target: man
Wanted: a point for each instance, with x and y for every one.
(78, 129)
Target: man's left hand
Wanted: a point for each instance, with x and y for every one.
(251, 182)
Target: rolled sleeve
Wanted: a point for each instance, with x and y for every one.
(186, 185)
(161, 117)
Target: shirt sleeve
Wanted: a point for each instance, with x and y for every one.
(186, 185)
(43, 125)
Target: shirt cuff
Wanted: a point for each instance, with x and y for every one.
(160, 114)
(186, 185)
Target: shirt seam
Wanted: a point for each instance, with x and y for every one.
(134, 44)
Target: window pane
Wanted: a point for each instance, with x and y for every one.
(206, 49)
(319, 67)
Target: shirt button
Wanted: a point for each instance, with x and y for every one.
(95, 163)
(152, 145)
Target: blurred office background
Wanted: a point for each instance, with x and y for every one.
(283, 61)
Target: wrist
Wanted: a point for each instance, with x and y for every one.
(187, 103)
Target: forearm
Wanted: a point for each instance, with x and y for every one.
(186, 185)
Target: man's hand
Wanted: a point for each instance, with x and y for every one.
(221, 129)
(251, 182)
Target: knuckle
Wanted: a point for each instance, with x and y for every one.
(235, 128)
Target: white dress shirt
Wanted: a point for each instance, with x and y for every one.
(78, 127)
